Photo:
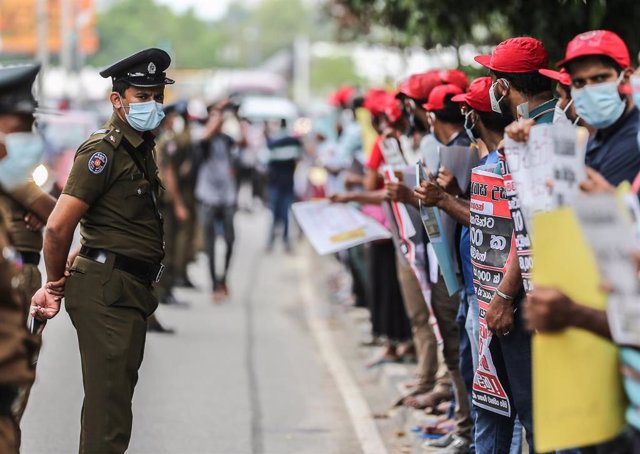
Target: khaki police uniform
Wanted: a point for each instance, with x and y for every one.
(28, 245)
(109, 294)
(16, 346)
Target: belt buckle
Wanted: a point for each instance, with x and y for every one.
(159, 275)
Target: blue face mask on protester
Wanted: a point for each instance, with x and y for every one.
(144, 116)
(24, 153)
(599, 105)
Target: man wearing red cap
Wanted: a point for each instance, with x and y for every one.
(518, 90)
(485, 127)
(600, 67)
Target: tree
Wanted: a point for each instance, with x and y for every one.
(432, 22)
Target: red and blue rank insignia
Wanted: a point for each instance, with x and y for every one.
(97, 162)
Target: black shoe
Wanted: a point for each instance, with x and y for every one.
(171, 300)
(183, 281)
(154, 326)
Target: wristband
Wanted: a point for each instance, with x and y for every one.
(504, 296)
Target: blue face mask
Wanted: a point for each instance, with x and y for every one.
(24, 153)
(599, 105)
(144, 116)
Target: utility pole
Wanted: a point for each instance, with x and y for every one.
(301, 70)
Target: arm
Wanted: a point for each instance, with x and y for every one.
(171, 182)
(45, 304)
(365, 197)
(548, 310)
(500, 313)
(371, 179)
(432, 194)
(43, 206)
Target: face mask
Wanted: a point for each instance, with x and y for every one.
(469, 129)
(599, 105)
(144, 116)
(495, 103)
(560, 115)
(24, 153)
(635, 87)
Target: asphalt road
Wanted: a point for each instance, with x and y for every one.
(245, 376)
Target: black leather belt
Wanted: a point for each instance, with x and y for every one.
(145, 271)
(30, 258)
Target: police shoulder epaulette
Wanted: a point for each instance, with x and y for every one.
(113, 137)
(100, 131)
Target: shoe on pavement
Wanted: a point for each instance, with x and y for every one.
(171, 300)
(449, 444)
(154, 326)
(183, 281)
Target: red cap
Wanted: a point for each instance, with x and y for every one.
(392, 109)
(516, 55)
(438, 94)
(477, 97)
(342, 96)
(418, 86)
(455, 77)
(598, 42)
(561, 76)
(376, 100)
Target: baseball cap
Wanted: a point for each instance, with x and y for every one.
(454, 77)
(418, 86)
(477, 97)
(561, 76)
(597, 42)
(392, 109)
(376, 100)
(516, 55)
(342, 96)
(438, 95)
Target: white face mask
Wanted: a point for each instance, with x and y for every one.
(560, 115)
(495, 103)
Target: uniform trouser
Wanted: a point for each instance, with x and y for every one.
(170, 228)
(445, 308)
(431, 371)
(30, 282)
(108, 308)
(185, 239)
(9, 435)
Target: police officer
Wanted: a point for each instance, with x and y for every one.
(20, 152)
(28, 206)
(112, 191)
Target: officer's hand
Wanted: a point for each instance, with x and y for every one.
(519, 130)
(398, 192)
(548, 309)
(44, 306)
(33, 222)
(500, 316)
(56, 288)
(182, 214)
(448, 181)
(429, 193)
(595, 183)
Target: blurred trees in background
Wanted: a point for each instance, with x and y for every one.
(431, 22)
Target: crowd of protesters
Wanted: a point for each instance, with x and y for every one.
(442, 109)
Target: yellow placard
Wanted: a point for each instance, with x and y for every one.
(369, 135)
(578, 398)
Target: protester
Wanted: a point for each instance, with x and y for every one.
(121, 228)
(285, 150)
(215, 189)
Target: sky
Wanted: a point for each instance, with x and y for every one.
(205, 9)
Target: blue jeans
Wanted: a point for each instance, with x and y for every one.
(280, 201)
(466, 359)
